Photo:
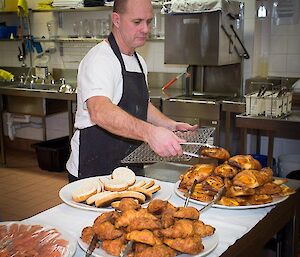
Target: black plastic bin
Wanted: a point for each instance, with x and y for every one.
(53, 154)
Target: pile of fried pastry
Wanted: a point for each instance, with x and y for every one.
(245, 181)
(160, 230)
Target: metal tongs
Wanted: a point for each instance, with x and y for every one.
(92, 246)
(195, 143)
(213, 201)
(127, 249)
(191, 190)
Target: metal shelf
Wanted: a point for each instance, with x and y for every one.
(7, 39)
(83, 9)
(83, 40)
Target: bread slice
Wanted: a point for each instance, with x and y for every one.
(107, 199)
(115, 184)
(149, 184)
(124, 173)
(144, 191)
(154, 189)
(91, 200)
(84, 191)
(138, 184)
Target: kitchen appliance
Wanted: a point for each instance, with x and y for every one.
(210, 43)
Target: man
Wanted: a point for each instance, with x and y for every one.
(114, 115)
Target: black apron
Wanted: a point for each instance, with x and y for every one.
(100, 151)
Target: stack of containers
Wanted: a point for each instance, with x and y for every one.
(273, 103)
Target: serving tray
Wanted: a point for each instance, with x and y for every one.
(144, 154)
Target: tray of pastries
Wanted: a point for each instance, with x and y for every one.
(247, 184)
(160, 230)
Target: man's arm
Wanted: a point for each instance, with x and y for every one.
(115, 120)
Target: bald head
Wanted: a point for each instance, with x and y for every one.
(120, 6)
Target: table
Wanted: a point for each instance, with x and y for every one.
(241, 232)
(287, 127)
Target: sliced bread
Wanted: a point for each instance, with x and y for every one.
(91, 200)
(154, 188)
(144, 191)
(138, 184)
(107, 199)
(115, 184)
(124, 173)
(84, 191)
(149, 184)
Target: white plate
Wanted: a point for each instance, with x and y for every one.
(209, 243)
(64, 235)
(275, 201)
(65, 194)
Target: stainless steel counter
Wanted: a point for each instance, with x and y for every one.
(287, 127)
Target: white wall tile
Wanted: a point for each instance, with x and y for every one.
(293, 45)
(277, 63)
(278, 44)
(279, 30)
(249, 9)
(293, 64)
(294, 29)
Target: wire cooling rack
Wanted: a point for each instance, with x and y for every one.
(144, 154)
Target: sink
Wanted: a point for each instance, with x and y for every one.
(34, 87)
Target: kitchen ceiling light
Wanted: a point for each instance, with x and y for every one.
(262, 11)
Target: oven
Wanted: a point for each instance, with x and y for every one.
(210, 43)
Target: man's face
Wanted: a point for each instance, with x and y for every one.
(134, 26)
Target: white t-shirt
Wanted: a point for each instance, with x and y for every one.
(99, 74)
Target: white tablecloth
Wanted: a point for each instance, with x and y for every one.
(230, 224)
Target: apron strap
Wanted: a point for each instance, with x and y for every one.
(116, 50)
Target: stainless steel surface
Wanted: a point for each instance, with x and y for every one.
(33, 105)
(226, 79)
(191, 190)
(166, 171)
(144, 154)
(213, 201)
(204, 112)
(198, 39)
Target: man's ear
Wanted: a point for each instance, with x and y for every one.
(115, 18)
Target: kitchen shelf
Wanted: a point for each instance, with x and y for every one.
(7, 39)
(84, 9)
(83, 40)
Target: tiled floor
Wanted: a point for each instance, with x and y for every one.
(25, 189)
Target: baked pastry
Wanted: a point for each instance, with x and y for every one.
(269, 188)
(253, 178)
(244, 162)
(259, 199)
(234, 191)
(202, 196)
(213, 183)
(197, 172)
(226, 171)
(232, 201)
(216, 153)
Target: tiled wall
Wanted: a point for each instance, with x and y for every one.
(281, 44)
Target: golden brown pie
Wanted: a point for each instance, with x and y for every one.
(244, 162)
(216, 153)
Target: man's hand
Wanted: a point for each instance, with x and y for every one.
(181, 126)
(164, 142)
